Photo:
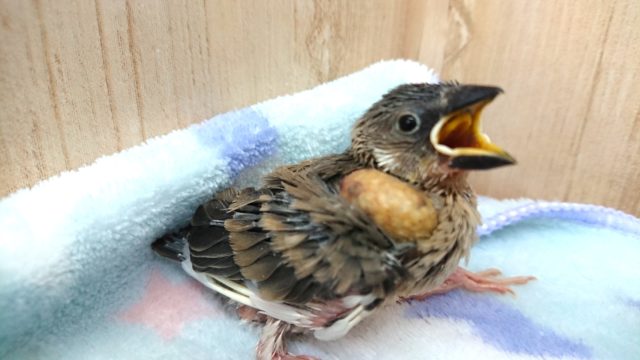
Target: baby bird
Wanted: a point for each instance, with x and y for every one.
(324, 243)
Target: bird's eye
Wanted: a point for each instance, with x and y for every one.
(408, 124)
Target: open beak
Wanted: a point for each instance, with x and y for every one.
(458, 136)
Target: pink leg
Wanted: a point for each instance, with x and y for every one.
(249, 314)
(482, 281)
(272, 344)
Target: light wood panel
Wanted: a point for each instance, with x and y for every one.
(85, 78)
(80, 79)
(570, 114)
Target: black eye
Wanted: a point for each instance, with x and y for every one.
(408, 124)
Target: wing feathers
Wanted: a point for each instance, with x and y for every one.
(278, 285)
(203, 238)
(281, 242)
(263, 268)
(252, 254)
(243, 240)
(235, 225)
(296, 239)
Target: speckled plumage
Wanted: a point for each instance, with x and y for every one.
(301, 253)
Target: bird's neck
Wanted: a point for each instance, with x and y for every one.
(358, 155)
(429, 175)
(447, 183)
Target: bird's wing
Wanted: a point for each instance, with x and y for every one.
(296, 250)
(296, 240)
(322, 237)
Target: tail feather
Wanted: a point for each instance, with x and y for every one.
(172, 245)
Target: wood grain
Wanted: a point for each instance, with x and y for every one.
(81, 79)
(570, 112)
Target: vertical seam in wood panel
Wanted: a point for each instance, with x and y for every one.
(191, 57)
(24, 177)
(407, 15)
(37, 152)
(457, 7)
(107, 75)
(311, 38)
(589, 105)
(174, 70)
(635, 130)
(53, 94)
(136, 68)
(210, 106)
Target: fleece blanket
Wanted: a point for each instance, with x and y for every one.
(79, 281)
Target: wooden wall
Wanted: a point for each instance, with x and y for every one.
(82, 78)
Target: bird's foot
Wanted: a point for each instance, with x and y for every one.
(249, 314)
(272, 345)
(483, 281)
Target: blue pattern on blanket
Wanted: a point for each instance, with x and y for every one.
(499, 324)
(247, 135)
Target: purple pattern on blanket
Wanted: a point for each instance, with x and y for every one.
(245, 136)
(499, 324)
(634, 303)
(590, 214)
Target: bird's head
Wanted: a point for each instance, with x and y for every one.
(421, 131)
